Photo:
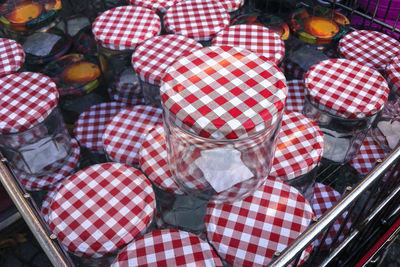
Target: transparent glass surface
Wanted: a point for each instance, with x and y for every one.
(151, 94)
(305, 184)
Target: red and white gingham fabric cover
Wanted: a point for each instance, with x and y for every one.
(101, 208)
(124, 27)
(255, 38)
(34, 183)
(196, 19)
(12, 56)
(392, 73)
(299, 147)
(346, 88)
(232, 5)
(124, 133)
(167, 247)
(224, 92)
(158, 6)
(152, 58)
(26, 99)
(89, 127)
(153, 160)
(248, 232)
(372, 48)
(45, 209)
(295, 97)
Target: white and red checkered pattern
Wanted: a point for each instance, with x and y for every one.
(26, 99)
(224, 92)
(34, 183)
(153, 160)
(159, 6)
(45, 209)
(255, 38)
(167, 247)
(250, 231)
(232, 5)
(196, 19)
(298, 148)
(89, 127)
(324, 199)
(12, 56)
(371, 48)
(392, 73)
(125, 132)
(101, 208)
(129, 99)
(152, 58)
(366, 159)
(124, 27)
(296, 95)
(346, 88)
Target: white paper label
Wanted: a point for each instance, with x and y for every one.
(40, 44)
(335, 145)
(223, 168)
(391, 131)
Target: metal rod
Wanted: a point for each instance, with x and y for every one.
(53, 250)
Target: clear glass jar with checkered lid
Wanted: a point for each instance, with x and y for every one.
(222, 111)
(344, 98)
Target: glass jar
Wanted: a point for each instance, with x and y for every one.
(343, 97)
(221, 128)
(33, 134)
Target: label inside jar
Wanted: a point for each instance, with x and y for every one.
(223, 168)
(40, 44)
(336, 145)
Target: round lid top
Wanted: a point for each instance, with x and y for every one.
(168, 247)
(372, 48)
(196, 19)
(255, 38)
(159, 6)
(299, 147)
(346, 88)
(248, 232)
(102, 208)
(152, 58)
(124, 133)
(224, 92)
(232, 5)
(153, 160)
(26, 99)
(124, 27)
(12, 56)
(392, 72)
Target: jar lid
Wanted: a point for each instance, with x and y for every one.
(224, 92)
(48, 199)
(101, 208)
(257, 39)
(159, 6)
(232, 5)
(28, 14)
(372, 48)
(74, 74)
(124, 133)
(153, 161)
(43, 182)
(26, 99)
(152, 58)
(89, 127)
(124, 27)
(299, 147)
(392, 73)
(12, 56)
(168, 247)
(196, 19)
(346, 88)
(295, 97)
(248, 232)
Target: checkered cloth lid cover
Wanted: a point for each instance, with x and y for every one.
(232, 5)
(89, 127)
(34, 183)
(392, 73)
(124, 133)
(101, 208)
(346, 88)
(371, 48)
(12, 56)
(159, 6)
(152, 58)
(153, 160)
(168, 247)
(295, 97)
(224, 92)
(196, 19)
(255, 38)
(47, 200)
(124, 27)
(248, 232)
(299, 147)
(26, 99)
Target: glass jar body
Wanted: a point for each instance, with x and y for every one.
(305, 184)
